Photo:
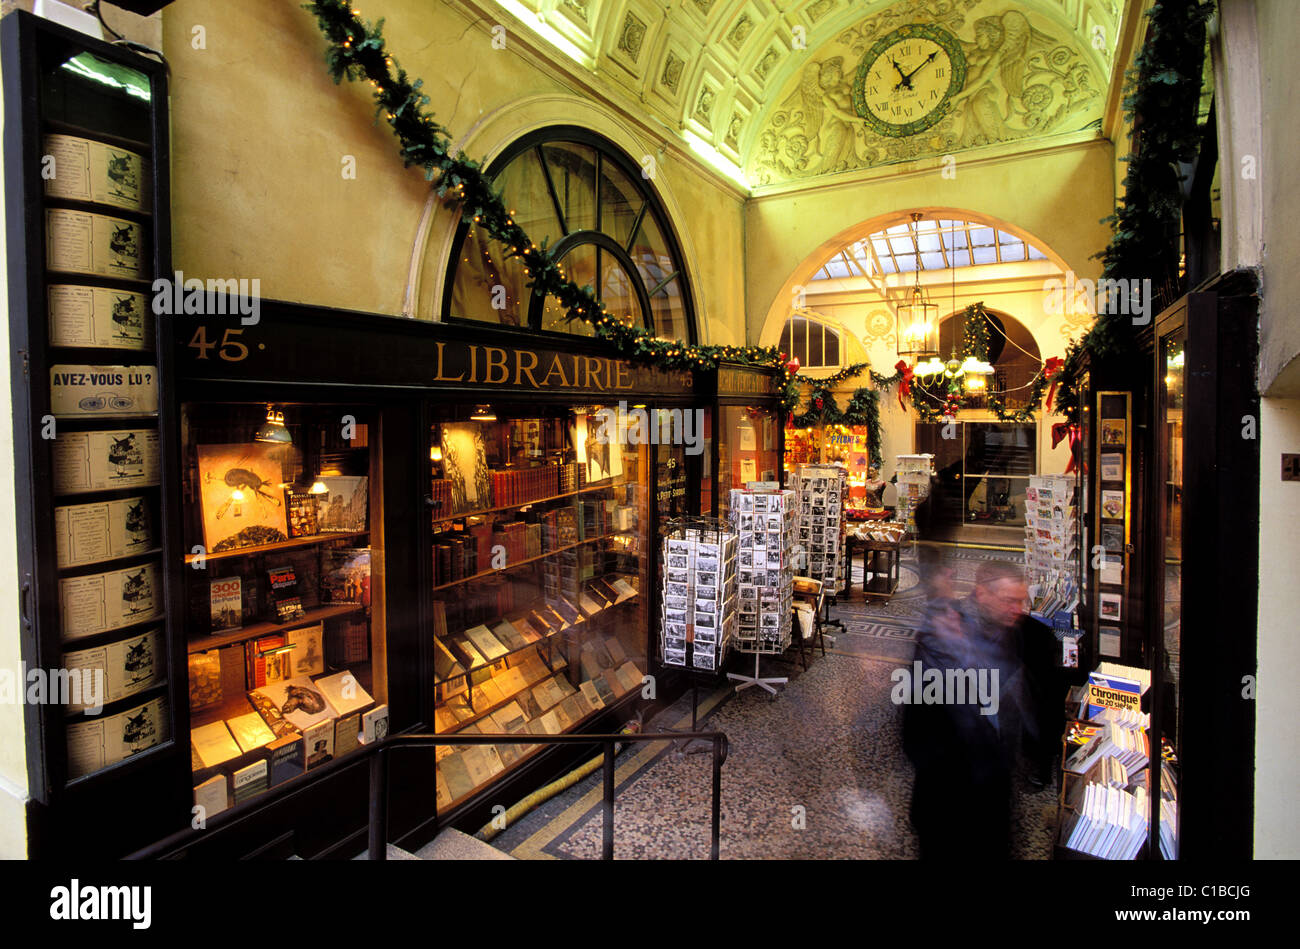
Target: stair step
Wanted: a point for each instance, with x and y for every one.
(452, 844)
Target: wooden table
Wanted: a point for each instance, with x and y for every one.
(880, 566)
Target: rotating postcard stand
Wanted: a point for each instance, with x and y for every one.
(699, 600)
(764, 521)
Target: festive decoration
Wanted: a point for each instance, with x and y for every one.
(357, 52)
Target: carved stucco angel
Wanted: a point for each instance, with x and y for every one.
(996, 66)
(829, 122)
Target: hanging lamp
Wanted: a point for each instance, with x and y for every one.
(918, 318)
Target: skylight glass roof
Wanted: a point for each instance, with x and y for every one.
(944, 244)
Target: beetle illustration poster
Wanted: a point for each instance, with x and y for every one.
(243, 503)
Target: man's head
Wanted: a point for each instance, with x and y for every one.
(1000, 592)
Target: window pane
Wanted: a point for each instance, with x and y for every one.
(482, 268)
(815, 333)
(524, 192)
(832, 348)
(785, 338)
(800, 345)
(669, 312)
(619, 203)
(616, 291)
(573, 172)
(579, 266)
(650, 253)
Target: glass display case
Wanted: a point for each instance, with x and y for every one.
(284, 591)
(539, 560)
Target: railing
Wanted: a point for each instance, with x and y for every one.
(378, 823)
(378, 848)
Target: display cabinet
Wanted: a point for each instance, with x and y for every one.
(87, 201)
(284, 589)
(540, 560)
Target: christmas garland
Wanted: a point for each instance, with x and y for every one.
(357, 52)
(1160, 109)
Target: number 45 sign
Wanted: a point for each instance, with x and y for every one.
(229, 347)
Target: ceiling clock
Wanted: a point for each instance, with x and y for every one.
(906, 79)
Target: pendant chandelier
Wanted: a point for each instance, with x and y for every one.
(918, 318)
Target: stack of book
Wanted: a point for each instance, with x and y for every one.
(1110, 822)
(764, 522)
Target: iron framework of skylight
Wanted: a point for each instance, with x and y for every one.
(944, 244)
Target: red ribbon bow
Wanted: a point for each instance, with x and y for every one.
(1051, 369)
(1065, 430)
(905, 383)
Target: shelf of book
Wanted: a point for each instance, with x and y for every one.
(530, 682)
(582, 625)
(321, 538)
(310, 617)
(439, 517)
(517, 754)
(493, 571)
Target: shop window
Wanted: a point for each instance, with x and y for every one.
(815, 345)
(603, 225)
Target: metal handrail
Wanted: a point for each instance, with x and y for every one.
(378, 755)
(378, 844)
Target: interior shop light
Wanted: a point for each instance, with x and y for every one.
(483, 413)
(272, 431)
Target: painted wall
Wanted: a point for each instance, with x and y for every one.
(13, 745)
(1277, 766)
(261, 134)
(1056, 196)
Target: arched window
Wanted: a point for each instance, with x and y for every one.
(602, 224)
(815, 345)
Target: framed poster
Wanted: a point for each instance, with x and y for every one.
(1114, 432)
(241, 495)
(464, 457)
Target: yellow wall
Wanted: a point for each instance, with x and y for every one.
(260, 132)
(1055, 196)
(13, 760)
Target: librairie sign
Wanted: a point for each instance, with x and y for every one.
(292, 344)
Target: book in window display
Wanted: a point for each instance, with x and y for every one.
(307, 655)
(88, 391)
(344, 508)
(240, 495)
(105, 461)
(96, 743)
(226, 603)
(95, 244)
(345, 575)
(108, 530)
(97, 318)
(298, 701)
(285, 601)
(107, 601)
(302, 509)
(123, 669)
(95, 172)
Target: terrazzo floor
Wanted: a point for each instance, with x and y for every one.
(817, 772)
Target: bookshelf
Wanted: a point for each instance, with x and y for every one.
(296, 542)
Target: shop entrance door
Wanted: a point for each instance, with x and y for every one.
(981, 473)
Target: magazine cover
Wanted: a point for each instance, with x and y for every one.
(345, 575)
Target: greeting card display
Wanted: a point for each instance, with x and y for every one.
(821, 491)
(765, 526)
(699, 618)
(1052, 547)
(241, 497)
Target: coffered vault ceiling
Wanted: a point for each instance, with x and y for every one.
(788, 90)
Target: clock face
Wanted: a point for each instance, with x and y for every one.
(905, 80)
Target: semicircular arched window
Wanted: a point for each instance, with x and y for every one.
(814, 344)
(601, 223)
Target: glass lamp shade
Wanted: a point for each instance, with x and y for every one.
(918, 327)
(931, 367)
(272, 431)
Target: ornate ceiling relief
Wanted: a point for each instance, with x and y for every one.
(924, 78)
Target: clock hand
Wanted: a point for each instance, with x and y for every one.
(905, 80)
(929, 59)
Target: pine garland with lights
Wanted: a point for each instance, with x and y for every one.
(357, 52)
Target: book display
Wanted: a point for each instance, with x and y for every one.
(82, 176)
(275, 613)
(821, 523)
(1052, 551)
(700, 617)
(1106, 803)
(538, 617)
